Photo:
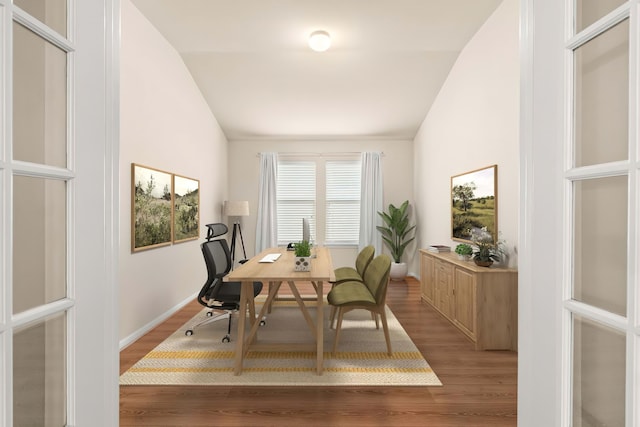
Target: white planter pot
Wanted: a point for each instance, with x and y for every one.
(302, 263)
(398, 270)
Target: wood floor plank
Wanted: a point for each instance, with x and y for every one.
(480, 388)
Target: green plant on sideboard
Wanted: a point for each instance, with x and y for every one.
(464, 249)
(487, 249)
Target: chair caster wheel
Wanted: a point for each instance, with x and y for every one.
(188, 332)
(209, 313)
(262, 323)
(226, 339)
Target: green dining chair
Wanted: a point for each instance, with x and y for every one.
(349, 274)
(371, 295)
(345, 274)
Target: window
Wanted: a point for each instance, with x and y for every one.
(296, 190)
(342, 201)
(324, 189)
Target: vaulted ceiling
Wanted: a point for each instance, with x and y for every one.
(387, 61)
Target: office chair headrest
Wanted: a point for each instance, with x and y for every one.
(215, 230)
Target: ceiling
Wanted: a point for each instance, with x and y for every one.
(250, 58)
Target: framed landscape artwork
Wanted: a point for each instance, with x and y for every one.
(474, 204)
(186, 208)
(151, 208)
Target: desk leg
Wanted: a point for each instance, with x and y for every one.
(303, 308)
(319, 328)
(245, 291)
(251, 338)
(252, 309)
(271, 289)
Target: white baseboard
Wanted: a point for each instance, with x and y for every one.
(127, 341)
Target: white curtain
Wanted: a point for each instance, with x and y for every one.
(267, 226)
(371, 202)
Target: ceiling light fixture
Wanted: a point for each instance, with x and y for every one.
(319, 41)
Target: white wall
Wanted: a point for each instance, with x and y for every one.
(165, 124)
(473, 123)
(244, 169)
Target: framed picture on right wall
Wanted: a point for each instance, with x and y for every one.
(474, 203)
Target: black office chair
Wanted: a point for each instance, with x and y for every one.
(223, 298)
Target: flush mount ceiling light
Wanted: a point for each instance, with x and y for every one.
(319, 41)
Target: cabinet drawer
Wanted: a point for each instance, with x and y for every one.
(444, 269)
(444, 273)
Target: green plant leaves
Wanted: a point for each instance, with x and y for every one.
(397, 229)
(303, 248)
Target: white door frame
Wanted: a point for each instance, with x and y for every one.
(97, 227)
(93, 353)
(544, 360)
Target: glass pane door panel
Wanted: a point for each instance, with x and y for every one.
(598, 374)
(39, 242)
(39, 100)
(39, 373)
(602, 98)
(589, 11)
(600, 275)
(50, 12)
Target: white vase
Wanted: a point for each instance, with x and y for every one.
(302, 263)
(398, 270)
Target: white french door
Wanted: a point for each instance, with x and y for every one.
(600, 178)
(58, 335)
(580, 219)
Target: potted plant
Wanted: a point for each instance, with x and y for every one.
(464, 251)
(302, 252)
(396, 234)
(487, 250)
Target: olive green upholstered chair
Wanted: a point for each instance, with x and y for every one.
(371, 294)
(347, 274)
(344, 274)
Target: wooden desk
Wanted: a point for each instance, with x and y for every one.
(274, 274)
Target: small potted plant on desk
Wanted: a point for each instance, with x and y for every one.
(464, 251)
(302, 251)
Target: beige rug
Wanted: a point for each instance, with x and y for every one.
(361, 359)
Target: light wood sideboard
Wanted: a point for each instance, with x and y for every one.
(482, 302)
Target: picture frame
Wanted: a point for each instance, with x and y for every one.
(186, 208)
(474, 204)
(151, 208)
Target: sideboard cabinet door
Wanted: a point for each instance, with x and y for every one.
(444, 288)
(427, 277)
(465, 302)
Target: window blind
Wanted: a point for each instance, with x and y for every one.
(296, 196)
(342, 201)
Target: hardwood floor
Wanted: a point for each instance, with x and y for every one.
(479, 389)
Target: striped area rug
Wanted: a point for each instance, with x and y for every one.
(361, 360)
